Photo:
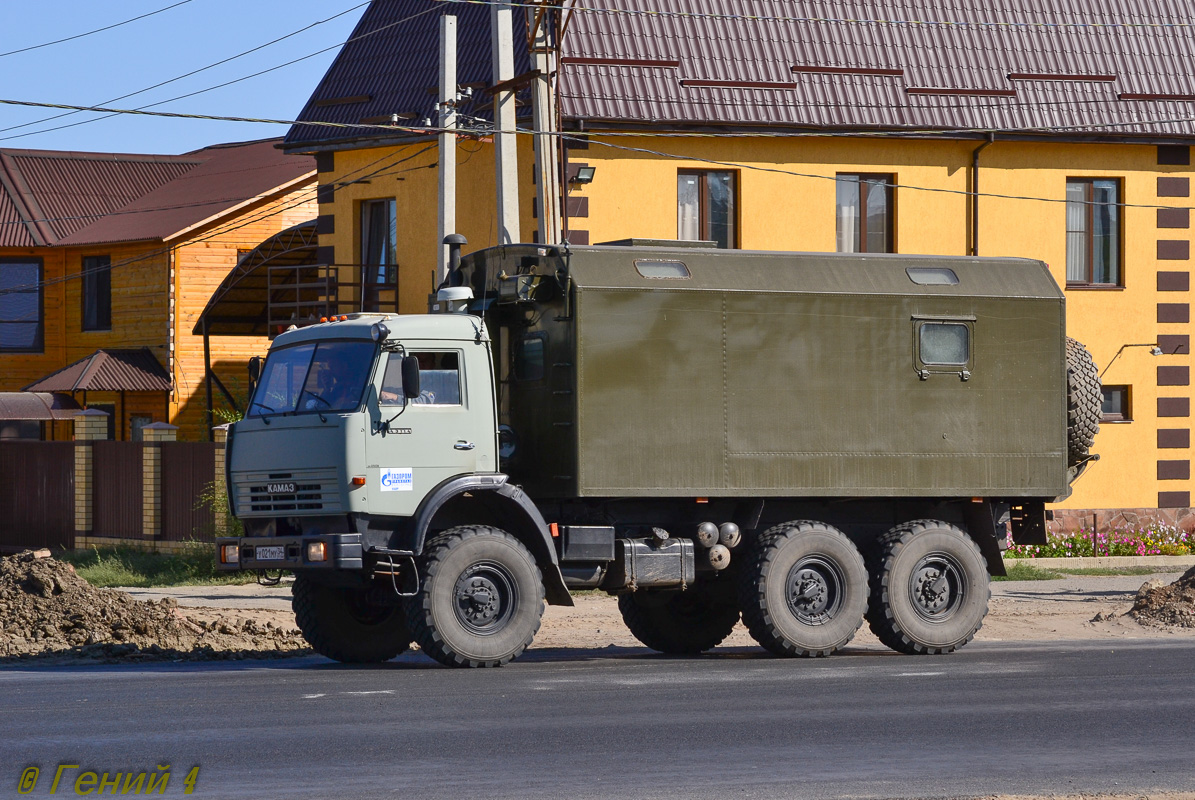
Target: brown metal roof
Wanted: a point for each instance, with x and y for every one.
(37, 406)
(396, 69)
(108, 371)
(53, 198)
(1089, 67)
(49, 195)
(225, 177)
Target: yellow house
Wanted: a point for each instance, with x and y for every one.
(760, 128)
(107, 260)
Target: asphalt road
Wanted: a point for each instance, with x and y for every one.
(1023, 719)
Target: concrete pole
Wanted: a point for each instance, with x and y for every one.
(506, 159)
(543, 110)
(447, 216)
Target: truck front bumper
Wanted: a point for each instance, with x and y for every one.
(340, 550)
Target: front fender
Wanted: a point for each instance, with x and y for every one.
(508, 507)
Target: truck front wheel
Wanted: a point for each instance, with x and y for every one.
(344, 625)
(682, 623)
(929, 588)
(480, 600)
(803, 590)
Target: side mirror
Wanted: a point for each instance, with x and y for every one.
(255, 371)
(410, 377)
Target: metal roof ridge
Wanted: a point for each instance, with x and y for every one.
(26, 202)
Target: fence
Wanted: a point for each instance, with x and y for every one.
(95, 492)
(116, 498)
(37, 494)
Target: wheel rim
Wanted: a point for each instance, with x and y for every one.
(936, 587)
(814, 590)
(485, 598)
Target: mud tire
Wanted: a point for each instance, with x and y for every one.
(682, 623)
(344, 626)
(480, 599)
(1084, 402)
(786, 567)
(904, 612)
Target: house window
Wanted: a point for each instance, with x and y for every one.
(379, 249)
(864, 213)
(1116, 406)
(137, 425)
(1093, 232)
(706, 207)
(97, 293)
(21, 328)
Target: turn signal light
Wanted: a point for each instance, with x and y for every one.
(317, 551)
(358, 481)
(230, 554)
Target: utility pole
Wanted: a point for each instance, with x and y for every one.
(543, 110)
(506, 159)
(447, 122)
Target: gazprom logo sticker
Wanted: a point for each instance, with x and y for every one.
(398, 480)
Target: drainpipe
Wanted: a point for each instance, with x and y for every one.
(974, 196)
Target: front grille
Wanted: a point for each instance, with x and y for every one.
(315, 491)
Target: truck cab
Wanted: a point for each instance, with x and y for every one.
(358, 447)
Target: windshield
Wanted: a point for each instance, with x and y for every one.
(324, 376)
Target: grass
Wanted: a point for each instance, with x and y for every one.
(122, 566)
(1030, 572)
(1025, 572)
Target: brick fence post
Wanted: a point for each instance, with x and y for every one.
(151, 483)
(220, 437)
(90, 426)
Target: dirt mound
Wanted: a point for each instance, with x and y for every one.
(1167, 604)
(47, 610)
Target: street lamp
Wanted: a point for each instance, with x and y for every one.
(1154, 351)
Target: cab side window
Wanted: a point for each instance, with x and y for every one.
(439, 380)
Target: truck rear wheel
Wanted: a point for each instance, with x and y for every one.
(480, 599)
(682, 623)
(929, 588)
(803, 590)
(343, 625)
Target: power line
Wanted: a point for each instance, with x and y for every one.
(228, 227)
(825, 20)
(292, 62)
(97, 30)
(175, 79)
(870, 129)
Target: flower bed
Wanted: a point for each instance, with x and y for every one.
(1161, 540)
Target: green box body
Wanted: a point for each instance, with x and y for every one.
(772, 374)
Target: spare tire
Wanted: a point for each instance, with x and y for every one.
(1084, 402)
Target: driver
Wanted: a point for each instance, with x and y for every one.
(341, 390)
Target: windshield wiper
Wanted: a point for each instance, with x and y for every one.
(267, 408)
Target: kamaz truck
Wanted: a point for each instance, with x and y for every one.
(803, 441)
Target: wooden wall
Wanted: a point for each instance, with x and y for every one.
(148, 278)
(202, 262)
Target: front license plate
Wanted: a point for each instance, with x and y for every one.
(271, 553)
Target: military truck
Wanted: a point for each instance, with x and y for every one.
(800, 440)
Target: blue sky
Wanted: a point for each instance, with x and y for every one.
(96, 69)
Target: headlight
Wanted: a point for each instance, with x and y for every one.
(230, 554)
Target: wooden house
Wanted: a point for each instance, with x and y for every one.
(107, 260)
